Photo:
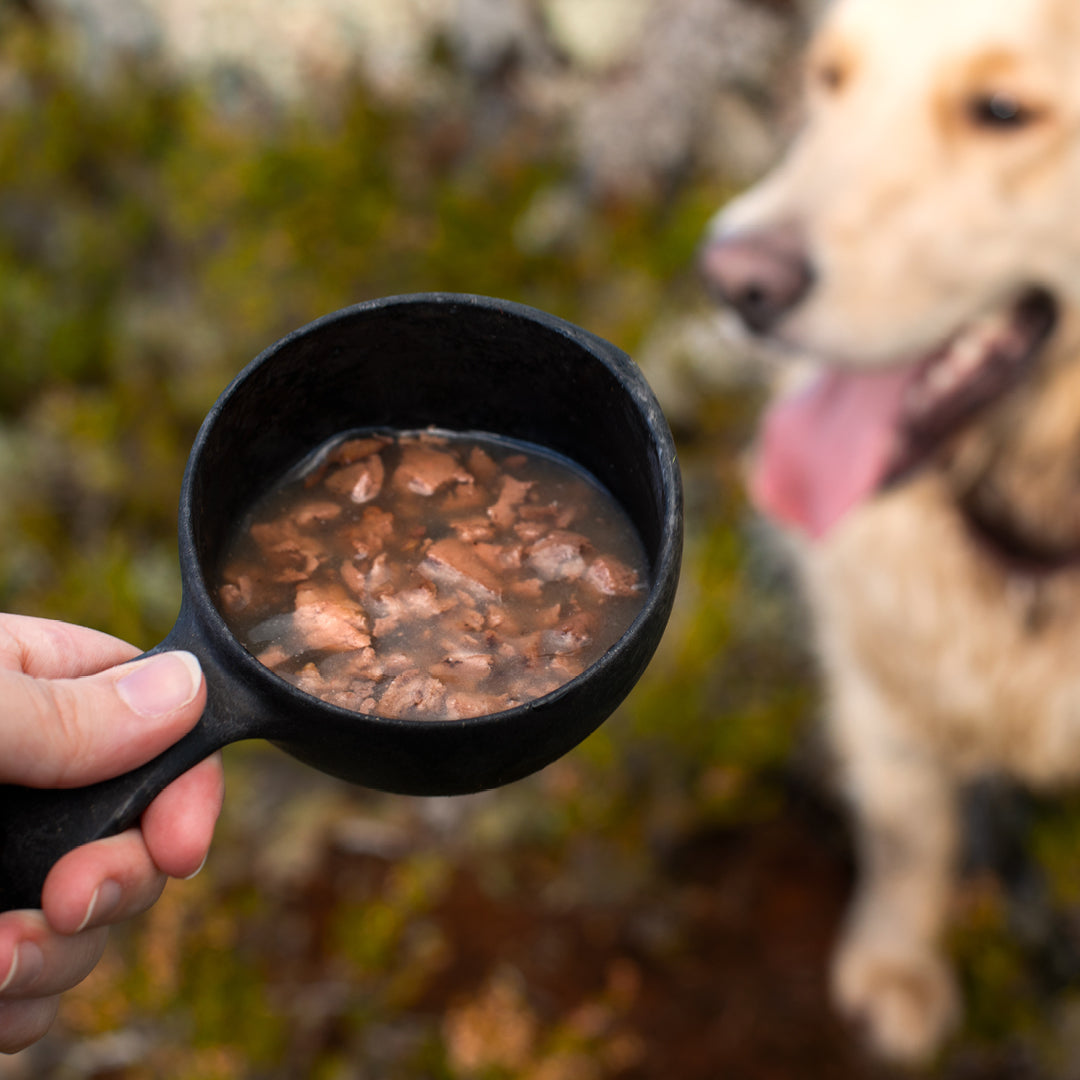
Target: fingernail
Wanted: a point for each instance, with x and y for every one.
(162, 684)
(103, 903)
(198, 869)
(27, 963)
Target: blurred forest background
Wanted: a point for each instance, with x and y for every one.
(183, 182)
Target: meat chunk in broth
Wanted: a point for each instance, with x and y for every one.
(434, 576)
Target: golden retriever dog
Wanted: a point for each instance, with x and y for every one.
(918, 252)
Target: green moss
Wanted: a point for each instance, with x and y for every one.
(1003, 1001)
(150, 247)
(370, 933)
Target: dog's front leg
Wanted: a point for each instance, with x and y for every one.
(889, 971)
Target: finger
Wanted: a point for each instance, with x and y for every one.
(47, 649)
(72, 732)
(112, 879)
(101, 883)
(38, 962)
(24, 1022)
(178, 825)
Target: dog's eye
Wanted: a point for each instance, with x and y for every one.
(830, 75)
(1000, 111)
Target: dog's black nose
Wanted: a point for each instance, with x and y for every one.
(761, 274)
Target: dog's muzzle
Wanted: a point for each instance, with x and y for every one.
(762, 274)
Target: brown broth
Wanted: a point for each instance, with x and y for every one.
(429, 575)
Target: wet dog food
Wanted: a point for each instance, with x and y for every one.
(434, 576)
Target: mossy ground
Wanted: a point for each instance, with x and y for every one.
(658, 904)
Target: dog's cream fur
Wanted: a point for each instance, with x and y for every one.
(942, 661)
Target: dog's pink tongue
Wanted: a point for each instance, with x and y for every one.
(827, 447)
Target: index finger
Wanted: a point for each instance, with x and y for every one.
(49, 649)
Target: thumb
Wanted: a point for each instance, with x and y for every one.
(72, 732)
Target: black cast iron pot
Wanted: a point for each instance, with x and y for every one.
(463, 363)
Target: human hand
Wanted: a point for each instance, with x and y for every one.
(71, 717)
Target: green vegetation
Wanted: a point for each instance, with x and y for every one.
(149, 247)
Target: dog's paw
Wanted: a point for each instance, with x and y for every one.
(906, 1001)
